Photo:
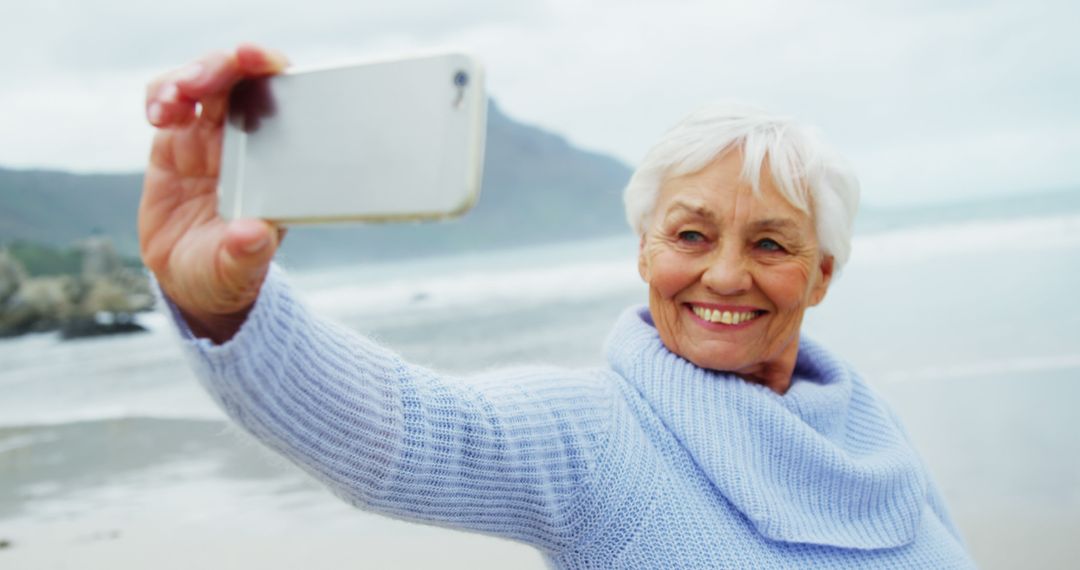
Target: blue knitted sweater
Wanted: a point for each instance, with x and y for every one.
(651, 462)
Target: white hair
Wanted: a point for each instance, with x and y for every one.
(809, 173)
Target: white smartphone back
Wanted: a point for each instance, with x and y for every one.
(387, 141)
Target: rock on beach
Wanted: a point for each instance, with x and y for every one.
(102, 299)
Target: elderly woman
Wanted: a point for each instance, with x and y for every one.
(716, 437)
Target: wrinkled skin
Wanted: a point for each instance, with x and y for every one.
(211, 269)
(713, 244)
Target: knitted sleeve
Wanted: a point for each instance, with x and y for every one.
(503, 452)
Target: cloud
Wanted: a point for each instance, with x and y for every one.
(885, 80)
(117, 34)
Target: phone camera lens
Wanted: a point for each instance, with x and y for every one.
(461, 79)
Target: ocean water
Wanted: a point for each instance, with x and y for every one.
(970, 327)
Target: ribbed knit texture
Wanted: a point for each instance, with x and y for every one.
(650, 463)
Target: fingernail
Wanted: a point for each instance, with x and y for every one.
(169, 93)
(190, 72)
(257, 246)
(154, 113)
(279, 59)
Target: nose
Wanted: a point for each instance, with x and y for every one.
(728, 272)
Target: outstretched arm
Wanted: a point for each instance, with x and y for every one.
(505, 453)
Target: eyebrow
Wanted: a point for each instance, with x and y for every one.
(775, 223)
(702, 210)
(696, 208)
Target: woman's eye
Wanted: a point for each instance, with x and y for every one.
(691, 236)
(769, 245)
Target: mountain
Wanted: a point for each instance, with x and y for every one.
(58, 208)
(536, 188)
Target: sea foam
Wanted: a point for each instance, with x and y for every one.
(536, 276)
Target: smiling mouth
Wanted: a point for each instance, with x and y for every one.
(725, 317)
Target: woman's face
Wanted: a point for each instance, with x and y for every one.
(731, 274)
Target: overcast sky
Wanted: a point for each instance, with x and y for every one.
(932, 100)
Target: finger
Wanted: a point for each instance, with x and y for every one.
(166, 104)
(210, 75)
(207, 81)
(249, 236)
(216, 73)
(170, 114)
(255, 60)
(248, 61)
(248, 247)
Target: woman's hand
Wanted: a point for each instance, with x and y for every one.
(212, 269)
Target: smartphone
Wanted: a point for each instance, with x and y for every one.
(383, 141)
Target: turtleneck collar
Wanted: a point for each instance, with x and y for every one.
(822, 464)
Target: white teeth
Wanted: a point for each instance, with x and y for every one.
(724, 317)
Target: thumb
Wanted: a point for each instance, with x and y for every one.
(244, 259)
